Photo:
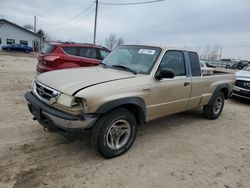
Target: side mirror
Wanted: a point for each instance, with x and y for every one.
(164, 73)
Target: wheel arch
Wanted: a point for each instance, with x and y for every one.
(224, 88)
(134, 104)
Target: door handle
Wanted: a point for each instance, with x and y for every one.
(146, 89)
(186, 84)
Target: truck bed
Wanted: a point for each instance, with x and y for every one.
(220, 72)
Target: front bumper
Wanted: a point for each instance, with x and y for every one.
(240, 92)
(56, 120)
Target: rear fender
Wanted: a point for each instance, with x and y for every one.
(225, 88)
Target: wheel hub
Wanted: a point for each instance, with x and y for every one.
(118, 134)
(218, 105)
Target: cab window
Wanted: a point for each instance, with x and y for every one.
(195, 64)
(174, 60)
(88, 52)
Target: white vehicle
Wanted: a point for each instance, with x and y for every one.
(206, 70)
(242, 84)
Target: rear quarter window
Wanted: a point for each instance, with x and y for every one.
(48, 48)
(104, 53)
(194, 63)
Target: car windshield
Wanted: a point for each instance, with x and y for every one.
(48, 48)
(247, 68)
(137, 59)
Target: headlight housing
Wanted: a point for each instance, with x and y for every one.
(66, 100)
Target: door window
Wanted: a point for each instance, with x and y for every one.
(88, 52)
(174, 60)
(70, 50)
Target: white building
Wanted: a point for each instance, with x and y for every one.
(11, 33)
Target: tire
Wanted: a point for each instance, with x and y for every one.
(215, 107)
(27, 51)
(114, 133)
(8, 50)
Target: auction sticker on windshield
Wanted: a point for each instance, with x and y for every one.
(146, 51)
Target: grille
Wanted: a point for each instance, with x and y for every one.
(44, 93)
(243, 84)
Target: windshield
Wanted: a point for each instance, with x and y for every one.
(247, 68)
(48, 48)
(139, 59)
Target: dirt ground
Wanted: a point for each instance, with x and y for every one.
(182, 150)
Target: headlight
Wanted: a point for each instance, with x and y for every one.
(66, 100)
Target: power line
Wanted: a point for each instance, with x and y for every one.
(71, 19)
(76, 16)
(134, 3)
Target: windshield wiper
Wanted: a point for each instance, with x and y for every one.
(105, 65)
(125, 68)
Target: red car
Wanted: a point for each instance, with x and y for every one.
(56, 56)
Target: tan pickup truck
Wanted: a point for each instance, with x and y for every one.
(133, 85)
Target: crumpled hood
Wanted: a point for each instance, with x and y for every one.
(71, 80)
(243, 74)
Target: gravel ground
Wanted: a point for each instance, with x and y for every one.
(182, 150)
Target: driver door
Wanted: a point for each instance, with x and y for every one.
(169, 96)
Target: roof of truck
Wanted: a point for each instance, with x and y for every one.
(163, 47)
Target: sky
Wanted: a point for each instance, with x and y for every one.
(191, 24)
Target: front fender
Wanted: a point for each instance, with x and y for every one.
(128, 101)
(123, 101)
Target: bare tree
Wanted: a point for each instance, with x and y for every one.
(28, 26)
(215, 53)
(120, 41)
(111, 42)
(211, 52)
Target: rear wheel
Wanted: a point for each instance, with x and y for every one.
(114, 133)
(8, 50)
(214, 109)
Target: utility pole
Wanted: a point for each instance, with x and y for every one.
(34, 23)
(96, 9)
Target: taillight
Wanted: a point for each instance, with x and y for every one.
(50, 58)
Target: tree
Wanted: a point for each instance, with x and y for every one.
(44, 36)
(111, 42)
(211, 52)
(41, 34)
(120, 41)
(215, 53)
(28, 26)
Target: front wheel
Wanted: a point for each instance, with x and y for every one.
(114, 133)
(214, 109)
